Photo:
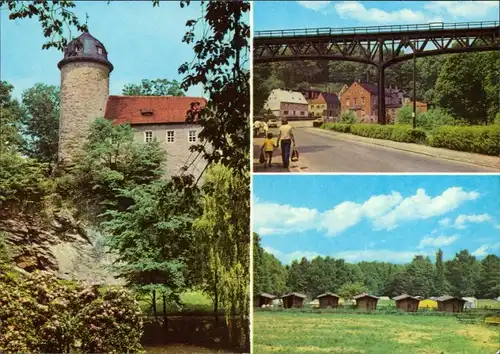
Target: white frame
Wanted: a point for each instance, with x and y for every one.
(195, 136)
(146, 136)
(173, 136)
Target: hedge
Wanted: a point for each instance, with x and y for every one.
(338, 127)
(479, 139)
(401, 133)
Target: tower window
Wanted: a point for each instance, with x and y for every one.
(170, 136)
(99, 50)
(192, 136)
(148, 136)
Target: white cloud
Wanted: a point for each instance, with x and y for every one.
(481, 251)
(460, 9)
(445, 222)
(384, 211)
(421, 206)
(272, 218)
(357, 11)
(314, 5)
(462, 219)
(287, 258)
(486, 249)
(437, 241)
(348, 214)
(377, 255)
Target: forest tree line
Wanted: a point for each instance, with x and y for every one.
(466, 86)
(463, 275)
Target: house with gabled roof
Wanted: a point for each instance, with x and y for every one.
(408, 303)
(293, 299)
(287, 104)
(366, 302)
(327, 300)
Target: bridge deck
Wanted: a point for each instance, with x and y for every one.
(374, 30)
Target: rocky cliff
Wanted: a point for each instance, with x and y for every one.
(60, 244)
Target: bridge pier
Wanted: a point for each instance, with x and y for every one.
(381, 95)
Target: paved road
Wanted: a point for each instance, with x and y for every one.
(320, 153)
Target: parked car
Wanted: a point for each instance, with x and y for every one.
(272, 123)
(318, 122)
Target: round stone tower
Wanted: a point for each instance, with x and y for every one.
(85, 71)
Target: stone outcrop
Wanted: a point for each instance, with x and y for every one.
(61, 245)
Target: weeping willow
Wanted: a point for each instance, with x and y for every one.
(223, 240)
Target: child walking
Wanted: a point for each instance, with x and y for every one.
(269, 147)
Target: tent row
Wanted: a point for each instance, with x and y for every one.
(364, 301)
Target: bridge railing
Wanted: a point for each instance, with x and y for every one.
(438, 26)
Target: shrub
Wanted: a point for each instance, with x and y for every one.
(39, 313)
(373, 131)
(338, 127)
(407, 134)
(348, 117)
(429, 120)
(478, 139)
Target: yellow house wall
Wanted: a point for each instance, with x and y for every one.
(316, 110)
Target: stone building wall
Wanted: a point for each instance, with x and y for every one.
(178, 153)
(84, 92)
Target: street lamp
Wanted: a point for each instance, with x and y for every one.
(414, 113)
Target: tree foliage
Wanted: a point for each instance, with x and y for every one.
(158, 87)
(223, 239)
(11, 118)
(220, 57)
(42, 314)
(110, 161)
(55, 17)
(41, 122)
(463, 275)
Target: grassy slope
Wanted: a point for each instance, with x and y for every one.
(316, 333)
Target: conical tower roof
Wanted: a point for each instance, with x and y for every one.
(85, 48)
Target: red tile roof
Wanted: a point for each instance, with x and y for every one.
(150, 109)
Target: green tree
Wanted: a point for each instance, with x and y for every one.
(460, 88)
(111, 160)
(348, 117)
(223, 239)
(153, 239)
(489, 277)
(269, 275)
(298, 276)
(349, 290)
(158, 87)
(462, 272)
(441, 286)
(220, 57)
(24, 185)
(41, 122)
(419, 276)
(11, 117)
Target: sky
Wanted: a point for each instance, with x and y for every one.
(388, 218)
(143, 42)
(270, 15)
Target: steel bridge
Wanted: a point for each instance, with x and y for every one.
(381, 46)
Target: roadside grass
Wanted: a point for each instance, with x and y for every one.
(294, 332)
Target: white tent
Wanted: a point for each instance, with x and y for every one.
(471, 302)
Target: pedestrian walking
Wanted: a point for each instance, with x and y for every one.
(256, 128)
(265, 127)
(268, 147)
(286, 138)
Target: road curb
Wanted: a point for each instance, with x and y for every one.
(450, 158)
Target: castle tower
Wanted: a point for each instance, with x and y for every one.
(85, 71)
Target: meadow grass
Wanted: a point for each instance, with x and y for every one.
(192, 301)
(294, 332)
